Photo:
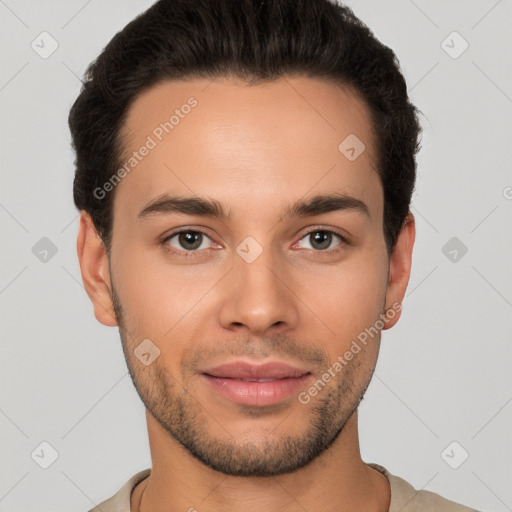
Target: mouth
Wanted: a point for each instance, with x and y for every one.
(256, 385)
(247, 380)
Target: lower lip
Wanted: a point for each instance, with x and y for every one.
(257, 393)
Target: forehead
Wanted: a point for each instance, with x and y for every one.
(248, 144)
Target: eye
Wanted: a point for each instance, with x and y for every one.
(187, 241)
(191, 242)
(322, 239)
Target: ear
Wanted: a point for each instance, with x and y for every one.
(93, 259)
(400, 268)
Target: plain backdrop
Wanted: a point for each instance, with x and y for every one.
(441, 394)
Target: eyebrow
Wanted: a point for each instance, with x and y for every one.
(207, 207)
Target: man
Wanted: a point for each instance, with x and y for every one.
(244, 173)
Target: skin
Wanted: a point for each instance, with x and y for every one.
(256, 150)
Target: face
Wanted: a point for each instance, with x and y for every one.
(293, 271)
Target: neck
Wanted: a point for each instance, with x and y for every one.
(337, 480)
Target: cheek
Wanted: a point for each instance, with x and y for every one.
(350, 297)
(157, 295)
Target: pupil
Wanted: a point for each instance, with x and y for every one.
(190, 237)
(323, 239)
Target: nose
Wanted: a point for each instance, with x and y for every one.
(258, 296)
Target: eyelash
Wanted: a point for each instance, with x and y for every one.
(196, 253)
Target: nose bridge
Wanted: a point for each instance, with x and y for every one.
(257, 268)
(257, 296)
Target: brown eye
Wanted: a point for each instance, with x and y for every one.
(188, 241)
(321, 240)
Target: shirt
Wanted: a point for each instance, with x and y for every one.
(404, 498)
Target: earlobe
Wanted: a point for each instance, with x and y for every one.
(95, 271)
(400, 263)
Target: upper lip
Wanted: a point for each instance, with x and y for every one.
(245, 370)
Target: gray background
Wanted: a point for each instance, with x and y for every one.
(444, 370)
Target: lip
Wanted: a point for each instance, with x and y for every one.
(245, 370)
(280, 382)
